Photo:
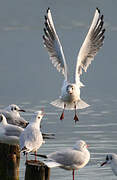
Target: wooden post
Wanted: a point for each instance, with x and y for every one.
(36, 170)
(9, 162)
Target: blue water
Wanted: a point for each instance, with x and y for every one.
(28, 79)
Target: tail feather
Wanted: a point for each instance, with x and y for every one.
(49, 162)
(58, 103)
(80, 104)
(52, 164)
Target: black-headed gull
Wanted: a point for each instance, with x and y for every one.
(31, 138)
(9, 134)
(12, 114)
(70, 92)
(69, 159)
(111, 159)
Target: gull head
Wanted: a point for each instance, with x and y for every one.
(3, 119)
(109, 158)
(73, 90)
(38, 115)
(14, 109)
(80, 145)
(70, 89)
(112, 160)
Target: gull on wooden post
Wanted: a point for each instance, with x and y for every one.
(12, 114)
(69, 159)
(111, 159)
(9, 149)
(31, 138)
(70, 92)
(9, 134)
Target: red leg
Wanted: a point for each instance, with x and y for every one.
(73, 173)
(75, 117)
(62, 115)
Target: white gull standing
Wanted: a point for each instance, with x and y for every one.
(69, 159)
(31, 138)
(111, 159)
(9, 134)
(70, 92)
(12, 114)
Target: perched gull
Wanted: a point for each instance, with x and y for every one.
(69, 159)
(70, 92)
(112, 160)
(9, 134)
(31, 138)
(12, 115)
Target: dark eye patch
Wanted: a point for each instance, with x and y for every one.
(107, 158)
(1, 118)
(69, 86)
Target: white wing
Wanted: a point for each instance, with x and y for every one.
(30, 138)
(53, 45)
(92, 43)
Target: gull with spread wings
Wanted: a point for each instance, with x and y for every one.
(70, 92)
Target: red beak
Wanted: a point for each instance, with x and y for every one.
(87, 145)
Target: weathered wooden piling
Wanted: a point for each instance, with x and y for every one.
(36, 170)
(9, 162)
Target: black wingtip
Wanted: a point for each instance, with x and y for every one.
(45, 17)
(45, 31)
(24, 148)
(43, 37)
(48, 9)
(46, 24)
(103, 31)
(40, 155)
(102, 17)
(98, 9)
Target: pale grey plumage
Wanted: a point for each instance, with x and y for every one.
(69, 159)
(9, 133)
